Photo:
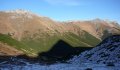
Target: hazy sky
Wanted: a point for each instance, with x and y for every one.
(68, 9)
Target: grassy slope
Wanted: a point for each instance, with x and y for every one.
(16, 44)
(30, 46)
(46, 43)
(83, 41)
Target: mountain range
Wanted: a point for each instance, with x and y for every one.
(23, 32)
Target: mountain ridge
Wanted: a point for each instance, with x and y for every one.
(84, 25)
(42, 32)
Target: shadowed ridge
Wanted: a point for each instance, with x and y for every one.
(62, 51)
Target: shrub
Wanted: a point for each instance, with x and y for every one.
(88, 69)
(110, 64)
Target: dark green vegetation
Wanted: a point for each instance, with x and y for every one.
(33, 46)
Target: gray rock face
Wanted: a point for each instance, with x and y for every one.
(107, 51)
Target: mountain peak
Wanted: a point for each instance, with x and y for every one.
(19, 11)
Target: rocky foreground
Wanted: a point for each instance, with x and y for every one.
(108, 51)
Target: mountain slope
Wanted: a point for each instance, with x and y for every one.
(98, 28)
(6, 50)
(38, 34)
(7, 42)
(108, 51)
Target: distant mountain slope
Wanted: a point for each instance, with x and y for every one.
(97, 27)
(39, 33)
(21, 23)
(108, 51)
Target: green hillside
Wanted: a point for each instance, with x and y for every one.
(47, 42)
(34, 46)
(16, 44)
